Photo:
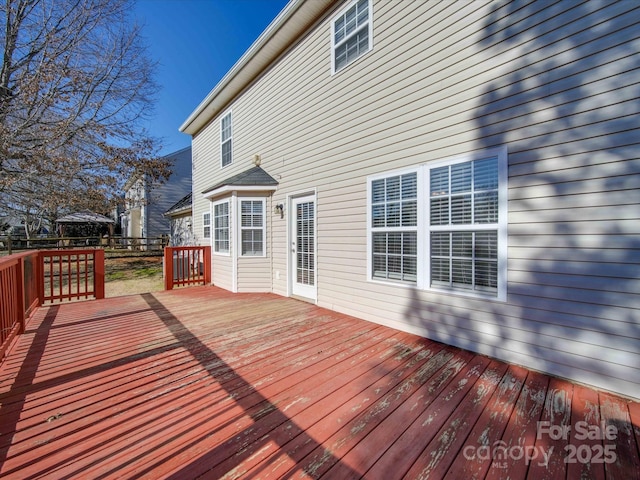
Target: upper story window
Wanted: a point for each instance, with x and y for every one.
(226, 140)
(351, 34)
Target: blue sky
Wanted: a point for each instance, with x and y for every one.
(196, 42)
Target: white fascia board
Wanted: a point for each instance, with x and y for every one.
(282, 32)
(238, 188)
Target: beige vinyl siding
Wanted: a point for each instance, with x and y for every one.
(222, 271)
(254, 274)
(557, 84)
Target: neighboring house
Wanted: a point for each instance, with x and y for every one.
(146, 201)
(467, 171)
(180, 219)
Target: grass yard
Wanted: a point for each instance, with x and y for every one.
(133, 275)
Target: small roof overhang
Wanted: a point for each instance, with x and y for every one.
(181, 207)
(85, 217)
(252, 180)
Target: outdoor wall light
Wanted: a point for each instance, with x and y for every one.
(279, 210)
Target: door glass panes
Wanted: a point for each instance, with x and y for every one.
(305, 243)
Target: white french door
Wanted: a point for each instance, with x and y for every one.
(303, 246)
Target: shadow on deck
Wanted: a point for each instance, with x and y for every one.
(201, 382)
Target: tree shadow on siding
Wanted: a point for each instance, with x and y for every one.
(567, 109)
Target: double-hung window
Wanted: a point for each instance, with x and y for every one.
(221, 227)
(226, 140)
(394, 227)
(463, 225)
(351, 34)
(442, 225)
(206, 225)
(252, 228)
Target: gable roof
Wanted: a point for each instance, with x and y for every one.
(294, 19)
(85, 217)
(181, 206)
(253, 179)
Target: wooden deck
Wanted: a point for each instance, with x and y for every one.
(200, 382)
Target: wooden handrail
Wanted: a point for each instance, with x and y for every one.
(187, 266)
(18, 295)
(30, 279)
(71, 274)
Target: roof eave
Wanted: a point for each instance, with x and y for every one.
(286, 28)
(227, 189)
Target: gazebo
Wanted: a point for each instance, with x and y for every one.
(85, 223)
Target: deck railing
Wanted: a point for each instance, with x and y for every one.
(71, 274)
(187, 266)
(18, 295)
(31, 279)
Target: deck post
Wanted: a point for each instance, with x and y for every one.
(20, 300)
(40, 276)
(98, 273)
(207, 264)
(168, 268)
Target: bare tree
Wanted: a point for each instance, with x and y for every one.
(76, 85)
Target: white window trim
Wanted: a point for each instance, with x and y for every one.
(204, 224)
(225, 115)
(333, 45)
(213, 224)
(238, 237)
(423, 257)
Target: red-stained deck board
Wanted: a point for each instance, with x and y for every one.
(287, 389)
(253, 405)
(435, 406)
(619, 449)
(521, 431)
(442, 451)
(348, 402)
(556, 417)
(270, 431)
(585, 408)
(199, 382)
(472, 461)
(436, 374)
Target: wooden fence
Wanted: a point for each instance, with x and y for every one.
(186, 266)
(10, 244)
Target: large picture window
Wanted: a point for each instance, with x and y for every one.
(442, 226)
(226, 140)
(351, 34)
(252, 227)
(221, 227)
